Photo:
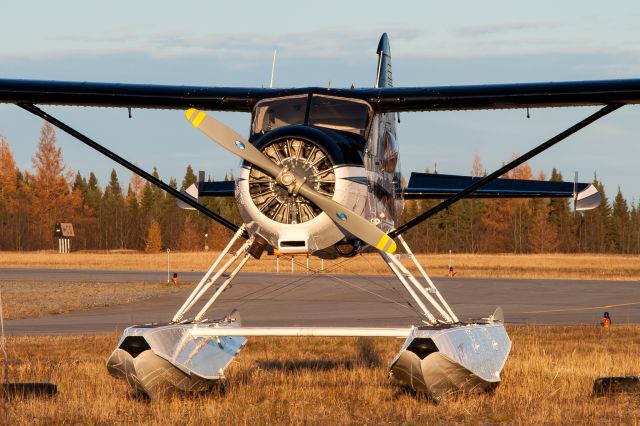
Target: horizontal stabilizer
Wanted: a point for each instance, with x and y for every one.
(192, 192)
(588, 199)
(438, 186)
(208, 189)
(217, 189)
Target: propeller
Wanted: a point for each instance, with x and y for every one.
(343, 217)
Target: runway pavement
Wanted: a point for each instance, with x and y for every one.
(345, 300)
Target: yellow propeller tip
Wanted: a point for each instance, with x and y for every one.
(386, 244)
(189, 113)
(199, 116)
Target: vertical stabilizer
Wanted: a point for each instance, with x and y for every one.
(384, 78)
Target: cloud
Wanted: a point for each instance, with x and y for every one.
(514, 39)
(328, 43)
(501, 28)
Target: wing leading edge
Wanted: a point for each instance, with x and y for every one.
(385, 99)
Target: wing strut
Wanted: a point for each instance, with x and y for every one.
(504, 169)
(135, 169)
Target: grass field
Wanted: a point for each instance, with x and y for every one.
(560, 266)
(547, 380)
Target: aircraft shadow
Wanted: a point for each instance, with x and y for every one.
(305, 364)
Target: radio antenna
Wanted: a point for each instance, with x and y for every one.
(273, 68)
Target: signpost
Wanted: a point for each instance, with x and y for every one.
(168, 273)
(64, 232)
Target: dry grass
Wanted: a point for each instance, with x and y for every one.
(551, 266)
(27, 299)
(547, 380)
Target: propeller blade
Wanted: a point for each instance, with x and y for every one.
(342, 216)
(350, 221)
(230, 140)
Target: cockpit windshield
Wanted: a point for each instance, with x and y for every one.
(348, 115)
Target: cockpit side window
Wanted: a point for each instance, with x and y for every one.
(390, 150)
(271, 114)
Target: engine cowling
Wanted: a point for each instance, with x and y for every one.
(288, 221)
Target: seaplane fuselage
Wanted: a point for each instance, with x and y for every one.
(342, 149)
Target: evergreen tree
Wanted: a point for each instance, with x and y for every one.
(94, 193)
(189, 179)
(112, 214)
(635, 229)
(135, 237)
(594, 231)
(172, 218)
(560, 215)
(621, 224)
(80, 184)
(84, 225)
(153, 199)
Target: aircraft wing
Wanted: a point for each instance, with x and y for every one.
(505, 96)
(387, 99)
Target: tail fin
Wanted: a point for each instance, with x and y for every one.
(384, 77)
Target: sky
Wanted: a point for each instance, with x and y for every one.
(330, 42)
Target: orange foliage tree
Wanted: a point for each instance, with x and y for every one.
(49, 195)
(154, 238)
(190, 237)
(9, 197)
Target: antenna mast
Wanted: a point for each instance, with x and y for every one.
(273, 68)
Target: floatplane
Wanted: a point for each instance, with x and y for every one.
(320, 175)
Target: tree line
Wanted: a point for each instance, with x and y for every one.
(142, 217)
(539, 225)
(139, 216)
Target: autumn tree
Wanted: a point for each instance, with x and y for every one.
(49, 190)
(542, 235)
(136, 186)
(521, 210)
(154, 238)
(10, 203)
(496, 221)
(191, 238)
